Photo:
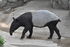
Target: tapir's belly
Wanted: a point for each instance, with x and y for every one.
(41, 18)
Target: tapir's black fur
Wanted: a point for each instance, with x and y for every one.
(25, 20)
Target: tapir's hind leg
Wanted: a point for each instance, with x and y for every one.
(51, 32)
(57, 32)
(53, 27)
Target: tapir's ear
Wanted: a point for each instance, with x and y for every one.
(13, 18)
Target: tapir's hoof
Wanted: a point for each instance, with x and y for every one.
(49, 37)
(22, 38)
(59, 38)
(29, 37)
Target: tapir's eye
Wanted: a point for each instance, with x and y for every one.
(16, 19)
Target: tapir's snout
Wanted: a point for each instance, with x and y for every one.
(11, 33)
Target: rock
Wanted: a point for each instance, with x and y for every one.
(11, 3)
(2, 3)
(12, 0)
(63, 4)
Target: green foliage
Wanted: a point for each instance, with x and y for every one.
(2, 41)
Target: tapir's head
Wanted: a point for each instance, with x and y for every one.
(14, 25)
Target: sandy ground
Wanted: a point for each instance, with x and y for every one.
(40, 33)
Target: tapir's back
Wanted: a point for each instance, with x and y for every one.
(41, 17)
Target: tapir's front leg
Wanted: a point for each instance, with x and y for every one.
(31, 31)
(24, 31)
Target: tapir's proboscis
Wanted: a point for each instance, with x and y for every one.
(39, 18)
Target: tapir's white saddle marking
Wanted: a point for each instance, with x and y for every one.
(41, 17)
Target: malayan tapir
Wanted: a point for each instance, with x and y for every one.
(39, 18)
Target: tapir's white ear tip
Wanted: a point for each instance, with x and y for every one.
(13, 18)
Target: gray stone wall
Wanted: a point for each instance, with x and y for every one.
(60, 4)
(11, 3)
(2, 3)
(63, 4)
